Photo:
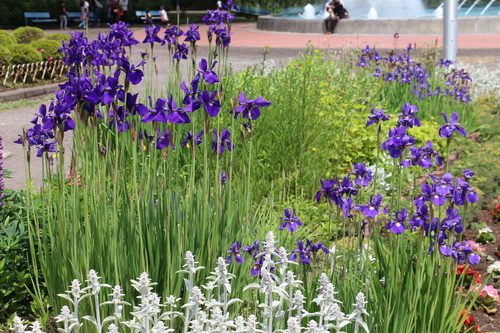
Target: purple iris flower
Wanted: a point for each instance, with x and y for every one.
(376, 116)
(250, 108)
(181, 52)
(428, 150)
(397, 141)
(120, 118)
(445, 185)
(468, 174)
(176, 115)
(409, 116)
(171, 35)
(417, 157)
(327, 189)
(398, 227)
(303, 252)
(235, 250)
(346, 205)
(452, 221)
(452, 126)
(425, 195)
(372, 209)
(346, 188)
(218, 143)
(223, 36)
(192, 35)
(253, 249)
(462, 252)
(363, 174)
(257, 265)
(208, 74)
(189, 138)
(314, 248)
(290, 221)
(464, 192)
(134, 74)
(164, 140)
(189, 97)
(210, 102)
(420, 217)
(223, 178)
(152, 35)
(156, 113)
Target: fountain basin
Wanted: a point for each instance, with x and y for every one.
(380, 26)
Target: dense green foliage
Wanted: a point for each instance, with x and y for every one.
(58, 37)
(47, 48)
(23, 54)
(6, 38)
(5, 56)
(26, 35)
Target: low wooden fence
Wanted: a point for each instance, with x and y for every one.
(14, 75)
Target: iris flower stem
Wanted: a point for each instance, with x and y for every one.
(375, 176)
(448, 146)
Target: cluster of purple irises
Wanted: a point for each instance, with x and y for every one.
(439, 192)
(402, 69)
(305, 251)
(103, 97)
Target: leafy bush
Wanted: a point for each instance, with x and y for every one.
(6, 38)
(5, 56)
(58, 37)
(47, 48)
(23, 54)
(14, 268)
(25, 35)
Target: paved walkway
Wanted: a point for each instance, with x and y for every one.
(246, 49)
(247, 35)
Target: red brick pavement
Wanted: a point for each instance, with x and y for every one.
(246, 34)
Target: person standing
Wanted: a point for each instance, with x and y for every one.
(124, 7)
(164, 16)
(63, 15)
(97, 10)
(84, 14)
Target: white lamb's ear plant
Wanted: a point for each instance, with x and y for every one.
(117, 305)
(95, 288)
(69, 321)
(223, 280)
(19, 327)
(171, 314)
(190, 268)
(336, 319)
(77, 294)
(357, 314)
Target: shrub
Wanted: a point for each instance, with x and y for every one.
(5, 56)
(58, 37)
(25, 35)
(47, 48)
(6, 38)
(22, 54)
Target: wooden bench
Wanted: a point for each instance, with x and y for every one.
(38, 17)
(141, 14)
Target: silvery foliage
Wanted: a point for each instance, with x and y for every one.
(207, 308)
(485, 81)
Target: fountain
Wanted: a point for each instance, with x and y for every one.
(383, 17)
(372, 14)
(309, 12)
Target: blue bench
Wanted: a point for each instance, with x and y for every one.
(252, 11)
(75, 16)
(38, 18)
(141, 14)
